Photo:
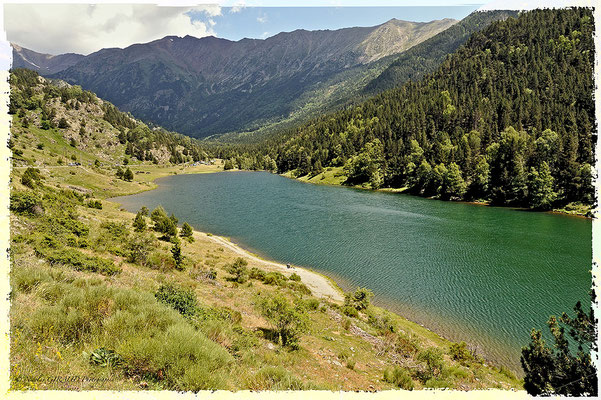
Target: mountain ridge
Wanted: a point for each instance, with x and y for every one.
(204, 86)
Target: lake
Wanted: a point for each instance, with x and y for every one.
(485, 275)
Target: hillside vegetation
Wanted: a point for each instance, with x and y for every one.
(141, 302)
(508, 118)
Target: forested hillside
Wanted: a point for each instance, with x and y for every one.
(508, 118)
(51, 113)
(425, 57)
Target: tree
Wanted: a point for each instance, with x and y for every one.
(556, 370)
(238, 270)
(176, 252)
(139, 223)
(453, 183)
(540, 187)
(163, 224)
(186, 232)
(288, 321)
(31, 177)
(227, 165)
(128, 175)
(140, 246)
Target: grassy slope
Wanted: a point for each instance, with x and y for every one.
(52, 304)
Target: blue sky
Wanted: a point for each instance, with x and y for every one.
(84, 28)
(261, 22)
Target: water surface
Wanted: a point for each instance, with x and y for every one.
(485, 275)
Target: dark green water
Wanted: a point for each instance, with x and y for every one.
(480, 274)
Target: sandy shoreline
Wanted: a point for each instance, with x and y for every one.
(320, 286)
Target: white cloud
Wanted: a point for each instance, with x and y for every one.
(83, 28)
(262, 18)
(264, 35)
(237, 7)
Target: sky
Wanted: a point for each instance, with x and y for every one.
(85, 28)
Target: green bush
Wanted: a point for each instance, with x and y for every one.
(360, 300)
(159, 260)
(238, 270)
(433, 360)
(288, 322)
(115, 229)
(399, 377)
(140, 246)
(295, 277)
(25, 203)
(181, 300)
(95, 204)
(181, 356)
(459, 352)
(350, 311)
(80, 261)
(256, 273)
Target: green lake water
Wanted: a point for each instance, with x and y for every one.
(485, 275)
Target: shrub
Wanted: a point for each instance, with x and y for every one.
(105, 358)
(117, 230)
(383, 323)
(360, 300)
(31, 177)
(182, 300)
(159, 260)
(139, 223)
(140, 246)
(295, 277)
(288, 322)
(25, 279)
(432, 357)
(95, 204)
(180, 356)
(162, 223)
(186, 232)
(459, 352)
(176, 252)
(25, 203)
(78, 260)
(238, 270)
(350, 311)
(399, 377)
(256, 273)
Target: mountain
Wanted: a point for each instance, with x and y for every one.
(508, 118)
(42, 63)
(425, 57)
(208, 86)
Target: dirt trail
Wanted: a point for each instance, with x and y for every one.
(319, 285)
